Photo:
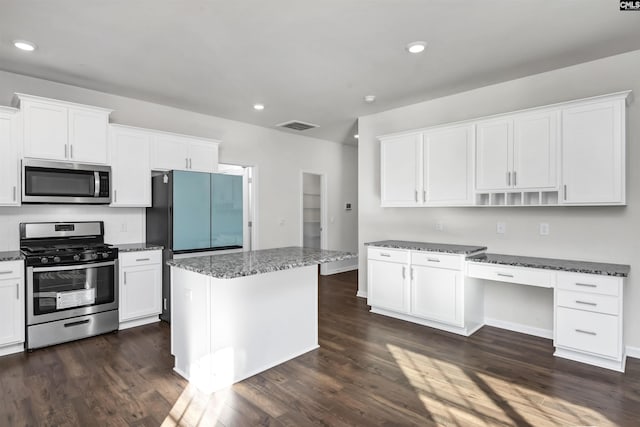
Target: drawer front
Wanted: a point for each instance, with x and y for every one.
(435, 259)
(593, 283)
(520, 275)
(586, 331)
(129, 259)
(391, 255)
(597, 303)
(11, 269)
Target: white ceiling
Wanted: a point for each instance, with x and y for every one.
(309, 60)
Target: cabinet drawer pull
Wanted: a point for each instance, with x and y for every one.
(587, 285)
(6, 272)
(385, 255)
(433, 260)
(586, 303)
(582, 331)
(504, 275)
(403, 271)
(143, 259)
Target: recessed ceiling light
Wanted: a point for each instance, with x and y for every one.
(369, 98)
(356, 136)
(258, 107)
(24, 45)
(416, 47)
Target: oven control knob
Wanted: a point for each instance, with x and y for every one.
(44, 260)
(76, 257)
(94, 256)
(56, 259)
(105, 255)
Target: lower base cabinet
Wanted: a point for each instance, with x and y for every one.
(11, 307)
(435, 294)
(388, 285)
(140, 288)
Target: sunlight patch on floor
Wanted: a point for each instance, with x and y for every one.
(196, 408)
(457, 397)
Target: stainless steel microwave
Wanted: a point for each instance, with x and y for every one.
(46, 181)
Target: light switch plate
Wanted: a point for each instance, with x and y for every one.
(439, 226)
(501, 227)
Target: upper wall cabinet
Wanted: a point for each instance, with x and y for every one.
(130, 166)
(178, 152)
(9, 157)
(593, 153)
(568, 153)
(59, 130)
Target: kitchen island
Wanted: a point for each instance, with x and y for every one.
(237, 314)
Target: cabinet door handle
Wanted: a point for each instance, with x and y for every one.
(504, 275)
(587, 285)
(385, 255)
(514, 178)
(433, 260)
(582, 331)
(404, 274)
(412, 273)
(66, 150)
(586, 303)
(71, 151)
(508, 179)
(424, 195)
(125, 277)
(186, 163)
(190, 163)
(17, 291)
(142, 259)
(416, 196)
(14, 193)
(115, 196)
(565, 192)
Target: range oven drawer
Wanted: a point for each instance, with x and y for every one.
(71, 329)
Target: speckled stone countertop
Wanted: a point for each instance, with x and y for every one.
(240, 264)
(137, 247)
(11, 256)
(619, 270)
(426, 246)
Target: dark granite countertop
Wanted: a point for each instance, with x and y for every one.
(619, 270)
(240, 264)
(430, 247)
(11, 256)
(137, 247)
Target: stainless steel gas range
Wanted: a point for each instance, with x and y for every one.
(71, 281)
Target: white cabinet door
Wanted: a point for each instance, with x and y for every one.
(400, 171)
(493, 154)
(11, 311)
(203, 156)
(170, 152)
(9, 161)
(593, 153)
(88, 136)
(387, 285)
(435, 294)
(535, 150)
(131, 173)
(45, 130)
(447, 166)
(140, 292)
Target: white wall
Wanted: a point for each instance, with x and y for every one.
(607, 234)
(278, 157)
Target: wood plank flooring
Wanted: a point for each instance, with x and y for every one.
(370, 370)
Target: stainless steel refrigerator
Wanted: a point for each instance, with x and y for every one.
(193, 212)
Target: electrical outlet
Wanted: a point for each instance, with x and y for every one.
(544, 228)
(439, 226)
(123, 227)
(281, 222)
(501, 227)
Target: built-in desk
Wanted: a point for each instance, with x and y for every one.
(588, 296)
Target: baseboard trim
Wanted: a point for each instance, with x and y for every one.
(518, 327)
(329, 271)
(361, 294)
(633, 352)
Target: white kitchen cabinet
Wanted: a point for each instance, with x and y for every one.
(388, 286)
(58, 130)
(593, 152)
(9, 158)
(140, 286)
(130, 166)
(178, 152)
(400, 173)
(435, 294)
(12, 305)
(517, 152)
(447, 166)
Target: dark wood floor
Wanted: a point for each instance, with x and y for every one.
(370, 370)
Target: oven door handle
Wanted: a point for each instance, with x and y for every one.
(73, 267)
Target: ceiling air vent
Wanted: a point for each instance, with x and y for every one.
(297, 125)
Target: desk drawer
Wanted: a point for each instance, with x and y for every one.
(11, 269)
(129, 259)
(586, 331)
(592, 283)
(590, 302)
(431, 259)
(520, 275)
(391, 255)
